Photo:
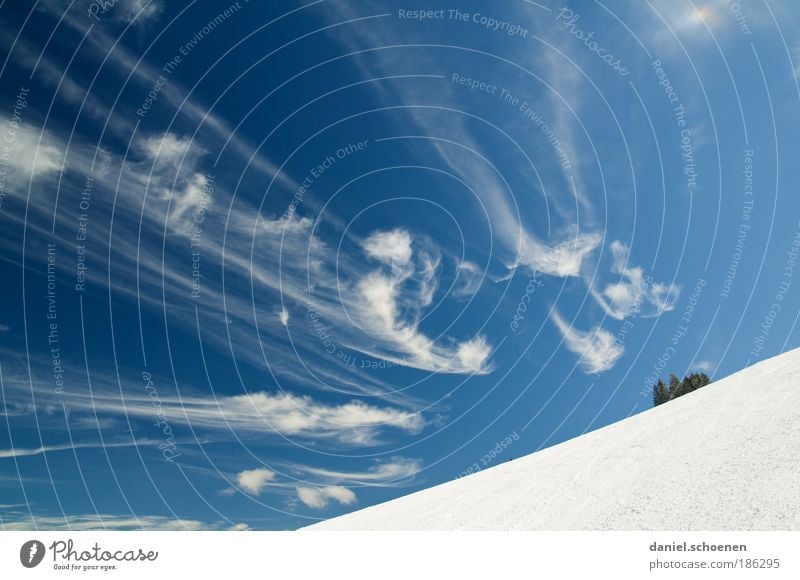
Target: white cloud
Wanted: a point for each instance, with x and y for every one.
(390, 305)
(663, 297)
(474, 353)
(393, 248)
(171, 173)
(283, 316)
(631, 295)
(427, 281)
(299, 254)
(167, 148)
(563, 255)
(705, 366)
(286, 225)
(563, 259)
(34, 153)
(380, 294)
(88, 522)
(597, 349)
(317, 497)
(467, 154)
(327, 483)
(341, 494)
(253, 481)
(240, 527)
(354, 422)
(417, 350)
(468, 280)
(104, 46)
(381, 473)
(404, 285)
(312, 497)
(193, 196)
(142, 10)
(27, 452)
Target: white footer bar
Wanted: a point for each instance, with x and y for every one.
(407, 555)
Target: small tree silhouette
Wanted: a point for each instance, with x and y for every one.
(660, 393)
(674, 387)
(690, 383)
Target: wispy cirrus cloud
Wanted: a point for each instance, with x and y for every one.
(139, 12)
(635, 294)
(457, 142)
(353, 422)
(395, 471)
(565, 259)
(103, 47)
(337, 484)
(319, 497)
(469, 278)
(336, 422)
(30, 451)
(168, 169)
(392, 315)
(111, 522)
(316, 487)
(34, 154)
(597, 349)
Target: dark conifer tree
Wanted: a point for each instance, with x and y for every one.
(660, 393)
(674, 387)
(697, 381)
(677, 388)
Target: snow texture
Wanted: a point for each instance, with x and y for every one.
(725, 457)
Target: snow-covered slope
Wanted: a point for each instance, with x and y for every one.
(724, 457)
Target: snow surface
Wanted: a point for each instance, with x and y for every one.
(726, 457)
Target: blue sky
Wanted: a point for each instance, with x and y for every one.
(267, 263)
